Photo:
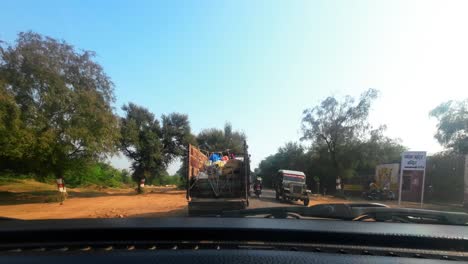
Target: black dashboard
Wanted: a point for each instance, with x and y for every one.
(228, 240)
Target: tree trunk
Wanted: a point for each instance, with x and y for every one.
(336, 172)
(138, 185)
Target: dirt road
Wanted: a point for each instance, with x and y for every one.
(158, 202)
(168, 203)
(267, 199)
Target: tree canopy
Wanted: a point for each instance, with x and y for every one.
(343, 143)
(452, 127)
(214, 139)
(150, 146)
(290, 156)
(140, 141)
(337, 124)
(55, 105)
(340, 128)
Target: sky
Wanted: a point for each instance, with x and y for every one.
(259, 64)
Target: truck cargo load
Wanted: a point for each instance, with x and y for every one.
(216, 185)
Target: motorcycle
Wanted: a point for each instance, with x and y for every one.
(258, 190)
(371, 195)
(388, 195)
(379, 195)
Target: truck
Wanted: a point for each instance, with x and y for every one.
(214, 187)
(291, 185)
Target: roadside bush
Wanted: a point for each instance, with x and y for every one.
(126, 177)
(10, 177)
(100, 174)
(166, 180)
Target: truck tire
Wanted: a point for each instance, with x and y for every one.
(306, 202)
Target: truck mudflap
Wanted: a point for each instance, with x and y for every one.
(209, 207)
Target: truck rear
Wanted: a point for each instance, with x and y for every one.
(214, 186)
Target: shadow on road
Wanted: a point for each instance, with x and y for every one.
(52, 196)
(273, 200)
(264, 199)
(173, 213)
(15, 198)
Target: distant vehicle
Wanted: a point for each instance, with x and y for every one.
(212, 189)
(291, 185)
(258, 192)
(257, 187)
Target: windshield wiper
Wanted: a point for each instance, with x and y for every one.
(357, 212)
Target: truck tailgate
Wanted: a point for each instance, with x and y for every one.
(213, 206)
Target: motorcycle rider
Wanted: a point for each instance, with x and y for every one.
(257, 186)
(373, 192)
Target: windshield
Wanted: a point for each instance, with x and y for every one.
(294, 178)
(167, 108)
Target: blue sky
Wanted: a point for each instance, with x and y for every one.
(259, 64)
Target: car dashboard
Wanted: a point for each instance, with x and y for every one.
(228, 240)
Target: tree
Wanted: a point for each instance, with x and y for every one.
(452, 127)
(182, 171)
(140, 142)
(176, 136)
(152, 147)
(375, 150)
(14, 138)
(220, 140)
(63, 99)
(359, 158)
(291, 156)
(335, 124)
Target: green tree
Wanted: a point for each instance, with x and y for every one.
(361, 157)
(64, 100)
(176, 136)
(182, 171)
(14, 137)
(94, 173)
(140, 141)
(452, 127)
(126, 177)
(214, 139)
(152, 147)
(291, 156)
(375, 150)
(337, 125)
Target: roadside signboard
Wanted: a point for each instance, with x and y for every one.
(413, 161)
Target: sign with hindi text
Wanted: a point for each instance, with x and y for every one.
(413, 160)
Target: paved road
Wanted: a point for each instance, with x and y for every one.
(267, 199)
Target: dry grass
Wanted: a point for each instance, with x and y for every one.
(26, 185)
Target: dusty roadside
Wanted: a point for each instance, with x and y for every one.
(27, 199)
(171, 203)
